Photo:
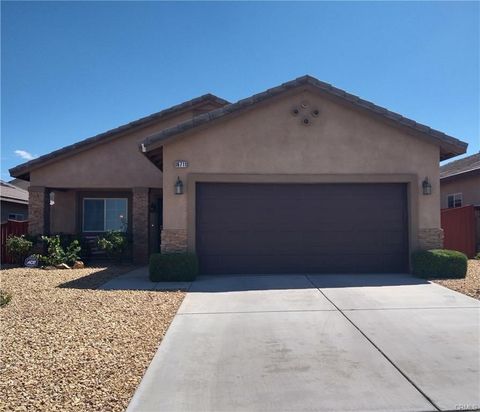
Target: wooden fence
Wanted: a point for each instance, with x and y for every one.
(11, 227)
(459, 230)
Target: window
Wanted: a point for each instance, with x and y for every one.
(16, 216)
(454, 200)
(101, 215)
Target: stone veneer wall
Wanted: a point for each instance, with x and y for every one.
(140, 215)
(430, 238)
(37, 210)
(174, 240)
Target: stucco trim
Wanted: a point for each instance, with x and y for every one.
(411, 181)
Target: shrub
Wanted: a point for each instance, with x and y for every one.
(5, 298)
(114, 244)
(439, 263)
(477, 256)
(173, 267)
(56, 254)
(19, 248)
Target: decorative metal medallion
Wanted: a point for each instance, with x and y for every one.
(305, 112)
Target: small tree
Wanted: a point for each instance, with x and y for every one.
(114, 243)
(18, 247)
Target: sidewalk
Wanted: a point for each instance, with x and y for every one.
(138, 280)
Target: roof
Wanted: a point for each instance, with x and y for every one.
(22, 184)
(22, 171)
(460, 166)
(450, 146)
(11, 193)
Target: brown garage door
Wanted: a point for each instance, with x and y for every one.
(295, 228)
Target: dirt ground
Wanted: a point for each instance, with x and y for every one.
(68, 347)
(470, 285)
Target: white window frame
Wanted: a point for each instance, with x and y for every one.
(455, 196)
(104, 212)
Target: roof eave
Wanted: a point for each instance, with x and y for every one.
(463, 172)
(22, 171)
(13, 200)
(449, 145)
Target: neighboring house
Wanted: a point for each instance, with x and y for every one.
(460, 186)
(460, 182)
(22, 184)
(302, 177)
(14, 202)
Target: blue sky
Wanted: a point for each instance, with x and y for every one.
(71, 70)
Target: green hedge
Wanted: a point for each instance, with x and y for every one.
(439, 263)
(173, 267)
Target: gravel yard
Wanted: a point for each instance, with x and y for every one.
(470, 285)
(68, 347)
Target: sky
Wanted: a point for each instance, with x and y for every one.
(71, 70)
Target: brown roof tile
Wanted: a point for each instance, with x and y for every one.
(11, 193)
(450, 145)
(23, 169)
(460, 166)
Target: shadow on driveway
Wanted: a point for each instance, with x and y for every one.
(239, 283)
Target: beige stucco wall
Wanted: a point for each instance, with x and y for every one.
(269, 140)
(467, 184)
(114, 164)
(63, 212)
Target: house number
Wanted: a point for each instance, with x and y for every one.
(181, 164)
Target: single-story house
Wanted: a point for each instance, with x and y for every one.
(460, 186)
(14, 202)
(303, 177)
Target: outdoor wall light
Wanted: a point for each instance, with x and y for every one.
(427, 187)
(179, 187)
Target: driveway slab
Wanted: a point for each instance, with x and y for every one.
(273, 361)
(253, 294)
(388, 292)
(438, 349)
(277, 343)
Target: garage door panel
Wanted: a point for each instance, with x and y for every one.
(328, 242)
(290, 228)
(335, 263)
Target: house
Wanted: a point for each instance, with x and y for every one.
(460, 182)
(460, 186)
(22, 184)
(303, 177)
(14, 202)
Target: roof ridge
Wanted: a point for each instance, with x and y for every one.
(17, 170)
(300, 81)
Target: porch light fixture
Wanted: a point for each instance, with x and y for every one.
(179, 187)
(427, 187)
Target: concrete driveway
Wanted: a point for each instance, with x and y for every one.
(317, 343)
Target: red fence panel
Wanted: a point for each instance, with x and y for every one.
(458, 226)
(11, 227)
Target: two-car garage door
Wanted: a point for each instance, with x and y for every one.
(301, 228)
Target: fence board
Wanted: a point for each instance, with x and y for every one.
(11, 227)
(458, 226)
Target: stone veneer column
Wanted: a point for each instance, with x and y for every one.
(431, 238)
(140, 224)
(38, 210)
(174, 241)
